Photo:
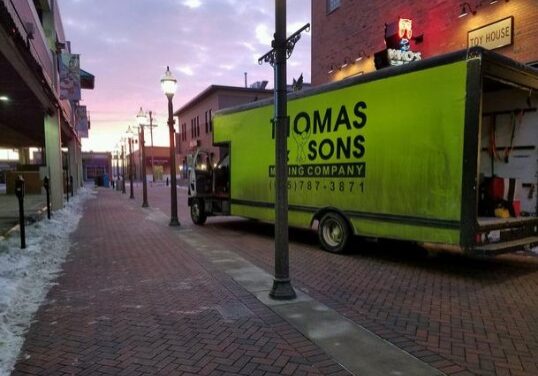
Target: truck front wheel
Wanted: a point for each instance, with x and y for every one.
(333, 232)
(198, 214)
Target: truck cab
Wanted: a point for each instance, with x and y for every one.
(209, 186)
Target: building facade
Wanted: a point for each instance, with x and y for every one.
(346, 34)
(195, 119)
(38, 107)
(157, 165)
(96, 165)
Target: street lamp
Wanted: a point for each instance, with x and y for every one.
(169, 86)
(149, 114)
(141, 117)
(130, 135)
(282, 48)
(117, 175)
(123, 165)
(151, 126)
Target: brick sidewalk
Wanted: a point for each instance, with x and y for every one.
(135, 300)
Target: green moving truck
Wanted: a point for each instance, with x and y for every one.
(401, 153)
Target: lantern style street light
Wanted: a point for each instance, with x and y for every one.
(130, 135)
(141, 117)
(169, 86)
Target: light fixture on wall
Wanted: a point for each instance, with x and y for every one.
(362, 55)
(332, 67)
(466, 9)
(346, 63)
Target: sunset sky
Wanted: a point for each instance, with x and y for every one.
(127, 45)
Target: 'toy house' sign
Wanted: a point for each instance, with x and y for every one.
(495, 35)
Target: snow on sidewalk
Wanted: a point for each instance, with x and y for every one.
(26, 275)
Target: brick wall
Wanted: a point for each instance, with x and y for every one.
(359, 25)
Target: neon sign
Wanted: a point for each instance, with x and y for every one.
(398, 36)
(405, 28)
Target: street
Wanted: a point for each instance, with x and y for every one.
(136, 297)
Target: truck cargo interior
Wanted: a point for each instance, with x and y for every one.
(508, 159)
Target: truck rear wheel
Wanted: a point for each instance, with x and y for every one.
(334, 233)
(198, 214)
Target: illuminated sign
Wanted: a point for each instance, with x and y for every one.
(399, 57)
(405, 27)
(398, 33)
(397, 39)
(495, 35)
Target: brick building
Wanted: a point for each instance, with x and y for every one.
(194, 118)
(346, 33)
(157, 157)
(41, 79)
(96, 165)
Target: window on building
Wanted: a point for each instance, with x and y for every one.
(210, 120)
(332, 5)
(184, 132)
(206, 123)
(192, 128)
(197, 126)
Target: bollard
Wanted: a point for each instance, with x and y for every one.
(46, 184)
(19, 192)
(71, 184)
(67, 188)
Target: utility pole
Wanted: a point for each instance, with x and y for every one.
(151, 137)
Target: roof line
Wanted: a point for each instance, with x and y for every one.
(213, 88)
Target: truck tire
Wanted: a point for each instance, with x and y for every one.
(198, 214)
(334, 233)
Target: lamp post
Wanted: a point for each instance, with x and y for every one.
(151, 125)
(169, 86)
(123, 165)
(141, 116)
(130, 135)
(117, 168)
(282, 48)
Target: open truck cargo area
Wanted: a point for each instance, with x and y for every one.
(443, 152)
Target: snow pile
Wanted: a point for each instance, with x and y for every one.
(26, 274)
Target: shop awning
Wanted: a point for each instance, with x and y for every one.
(87, 80)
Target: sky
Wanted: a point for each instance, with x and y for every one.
(127, 45)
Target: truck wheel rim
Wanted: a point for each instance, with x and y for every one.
(196, 210)
(333, 233)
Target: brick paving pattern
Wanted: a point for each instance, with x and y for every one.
(463, 316)
(134, 299)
